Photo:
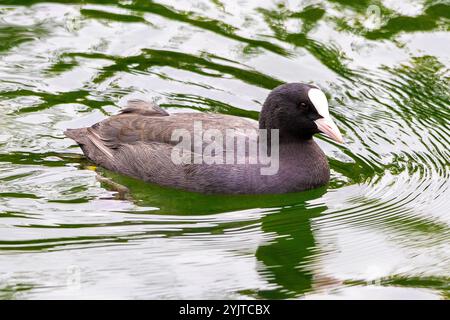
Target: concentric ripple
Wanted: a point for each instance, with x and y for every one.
(380, 229)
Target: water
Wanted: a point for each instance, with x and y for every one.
(380, 229)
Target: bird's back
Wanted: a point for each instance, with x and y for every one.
(138, 142)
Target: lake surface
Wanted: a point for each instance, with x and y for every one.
(380, 229)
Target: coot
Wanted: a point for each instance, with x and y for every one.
(194, 151)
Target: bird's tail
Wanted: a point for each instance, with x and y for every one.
(79, 135)
(91, 144)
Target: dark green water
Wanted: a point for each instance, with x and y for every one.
(379, 230)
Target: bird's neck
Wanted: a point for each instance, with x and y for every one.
(285, 136)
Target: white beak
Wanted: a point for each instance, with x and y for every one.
(329, 128)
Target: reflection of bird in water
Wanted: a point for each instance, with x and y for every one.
(287, 224)
(285, 258)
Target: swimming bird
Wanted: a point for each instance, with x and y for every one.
(139, 142)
